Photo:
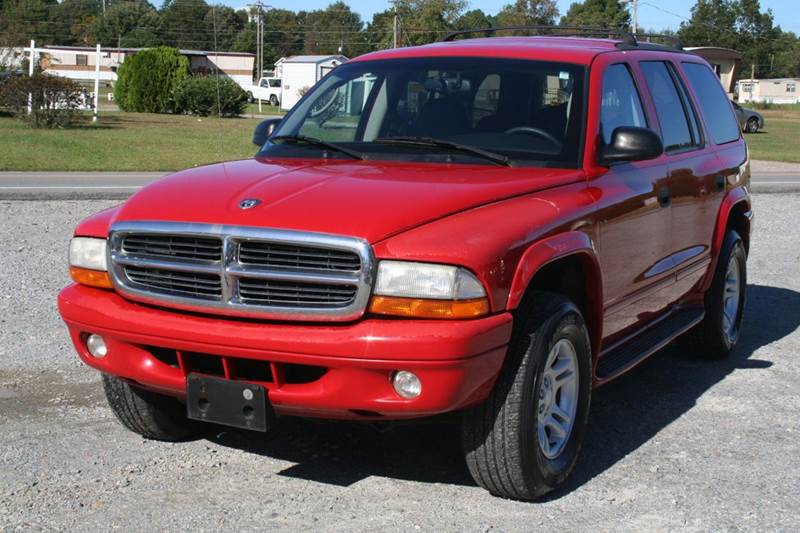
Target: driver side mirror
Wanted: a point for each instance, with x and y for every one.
(630, 143)
(264, 130)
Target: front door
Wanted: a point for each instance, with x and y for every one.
(634, 217)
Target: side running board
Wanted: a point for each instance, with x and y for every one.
(623, 356)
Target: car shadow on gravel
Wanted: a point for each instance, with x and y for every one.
(625, 414)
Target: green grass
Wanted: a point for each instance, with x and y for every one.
(126, 141)
(780, 138)
(266, 109)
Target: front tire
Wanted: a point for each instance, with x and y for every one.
(151, 415)
(524, 440)
(718, 333)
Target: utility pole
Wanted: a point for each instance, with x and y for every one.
(96, 84)
(634, 14)
(259, 15)
(394, 31)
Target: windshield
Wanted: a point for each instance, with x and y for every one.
(530, 112)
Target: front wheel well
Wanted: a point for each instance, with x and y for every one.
(576, 277)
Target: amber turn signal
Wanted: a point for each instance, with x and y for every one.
(93, 278)
(425, 308)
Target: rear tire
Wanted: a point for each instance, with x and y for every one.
(718, 333)
(509, 448)
(273, 100)
(752, 125)
(151, 415)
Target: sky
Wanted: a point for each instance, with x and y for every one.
(653, 14)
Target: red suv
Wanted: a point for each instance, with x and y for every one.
(491, 226)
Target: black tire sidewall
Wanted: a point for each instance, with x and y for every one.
(273, 100)
(752, 125)
(568, 324)
(732, 248)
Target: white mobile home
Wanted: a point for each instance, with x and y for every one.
(775, 91)
(300, 73)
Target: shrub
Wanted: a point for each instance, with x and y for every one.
(215, 95)
(146, 82)
(55, 102)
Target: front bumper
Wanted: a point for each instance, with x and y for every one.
(456, 361)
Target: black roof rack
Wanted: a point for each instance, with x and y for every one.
(628, 40)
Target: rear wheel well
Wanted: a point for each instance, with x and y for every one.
(738, 222)
(577, 278)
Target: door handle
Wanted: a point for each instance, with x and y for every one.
(719, 182)
(664, 197)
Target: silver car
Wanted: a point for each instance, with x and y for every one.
(750, 121)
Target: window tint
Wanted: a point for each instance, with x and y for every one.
(670, 108)
(487, 98)
(621, 105)
(722, 124)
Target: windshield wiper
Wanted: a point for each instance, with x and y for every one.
(313, 141)
(497, 159)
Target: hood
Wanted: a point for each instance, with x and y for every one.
(371, 200)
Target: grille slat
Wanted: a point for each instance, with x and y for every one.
(242, 271)
(167, 280)
(299, 294)
(272, 255)
(172, 246)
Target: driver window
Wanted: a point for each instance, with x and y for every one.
(335, 116)
(487, 98)
(621, 105)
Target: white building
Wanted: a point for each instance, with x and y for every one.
(300, 73)
(78, 62)
(775, 91)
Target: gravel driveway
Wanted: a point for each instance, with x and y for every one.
(679, 443)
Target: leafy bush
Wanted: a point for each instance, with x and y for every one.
(206, 95)
(146, 82)
(55, 102)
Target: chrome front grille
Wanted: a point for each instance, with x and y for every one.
(242, 271)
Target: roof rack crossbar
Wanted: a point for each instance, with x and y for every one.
(627, 37)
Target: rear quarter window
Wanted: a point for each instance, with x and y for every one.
(714, 103)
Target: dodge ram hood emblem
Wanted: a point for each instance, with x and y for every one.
(249, 203)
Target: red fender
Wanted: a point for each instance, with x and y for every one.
(733, 198)
(557, 247)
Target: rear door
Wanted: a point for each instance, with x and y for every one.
(694, 180)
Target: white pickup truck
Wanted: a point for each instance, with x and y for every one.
(268, 89)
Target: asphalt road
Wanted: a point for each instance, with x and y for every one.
(680, 443)
(766, 177)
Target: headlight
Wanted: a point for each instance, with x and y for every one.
(87, 262)
(86, 252)
(427, 290)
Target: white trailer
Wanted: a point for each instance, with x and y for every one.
(300, 73)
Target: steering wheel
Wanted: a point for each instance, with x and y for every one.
(535, 131)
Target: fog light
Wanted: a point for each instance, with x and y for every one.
(406, 384)
(96, 346)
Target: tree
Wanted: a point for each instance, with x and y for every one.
(473, 19)
(224, 23)
(71, 22)
(23, 20)
(713, 23)
(134, 22)
(599, 13)
(528, 12)
(183, 24)
(334, 29)
(147, 81)
(425, 21)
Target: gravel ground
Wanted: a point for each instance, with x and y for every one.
(679, 443)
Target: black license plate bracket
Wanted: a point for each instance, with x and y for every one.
(230, 403)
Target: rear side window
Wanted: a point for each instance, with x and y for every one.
(621, 105)
(712, 99)
(678, 128)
